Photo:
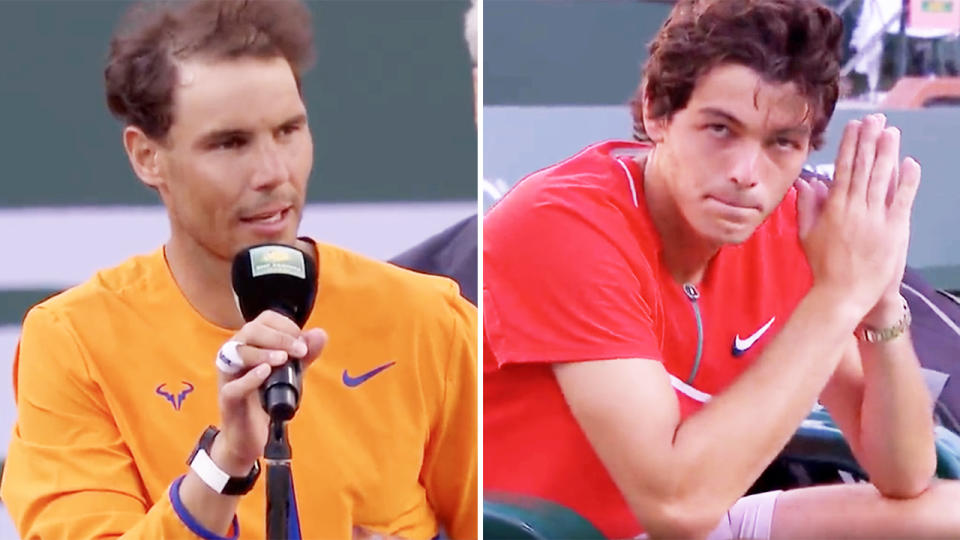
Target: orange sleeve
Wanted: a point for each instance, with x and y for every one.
(450, 461)
(68, 472)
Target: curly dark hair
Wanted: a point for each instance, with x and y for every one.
(141, 70)
(785, 41)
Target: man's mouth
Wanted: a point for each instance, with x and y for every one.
(734, 203)
(267, 217)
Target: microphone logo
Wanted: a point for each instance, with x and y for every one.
(274, 259)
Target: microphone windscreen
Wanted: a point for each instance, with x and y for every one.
(274, 276)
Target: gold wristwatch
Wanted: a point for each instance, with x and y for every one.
(874, 335)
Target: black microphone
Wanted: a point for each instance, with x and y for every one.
(284, 279)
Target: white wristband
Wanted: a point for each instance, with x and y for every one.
(208, 471)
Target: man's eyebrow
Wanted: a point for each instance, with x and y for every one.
(713, 111)
(222, 134)
(300, 118)
(801, 129)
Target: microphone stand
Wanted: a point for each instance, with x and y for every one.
(279, 480)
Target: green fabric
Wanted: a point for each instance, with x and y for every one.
(523, 517)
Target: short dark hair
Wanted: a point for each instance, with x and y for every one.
(785, 41)
(141, 71)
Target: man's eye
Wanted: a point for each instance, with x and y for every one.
(787, 144)
(287, 130)
(231, 143)
(718, 129)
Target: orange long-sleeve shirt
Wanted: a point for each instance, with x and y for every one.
(115, 380)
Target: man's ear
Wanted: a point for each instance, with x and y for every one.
(144, 155)
(656, 128)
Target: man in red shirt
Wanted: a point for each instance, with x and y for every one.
(117, 379)
(660, 318)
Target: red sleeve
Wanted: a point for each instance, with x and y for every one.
(564, 277)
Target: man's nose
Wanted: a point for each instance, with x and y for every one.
(746, 162)
(270, 168)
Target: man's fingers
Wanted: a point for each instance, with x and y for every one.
(822, 191)
(806, 207)
(316, 341)
(843, 166)
(888, 153)
(894, 183)
(262, 336)
(263, 345)
(233, 393)
(254, 356)
(864, 160)
(277, 321)
(908, 184)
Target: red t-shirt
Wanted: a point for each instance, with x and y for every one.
(572, 271)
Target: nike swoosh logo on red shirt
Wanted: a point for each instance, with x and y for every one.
(740, 346)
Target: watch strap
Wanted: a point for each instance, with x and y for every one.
(212, 475)
(881, 335)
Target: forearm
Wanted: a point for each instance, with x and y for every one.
(725, 446)
(90, 503)
(896, 423)
(214, 511)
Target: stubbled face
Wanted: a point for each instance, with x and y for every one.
(237, 157)
(733, 152)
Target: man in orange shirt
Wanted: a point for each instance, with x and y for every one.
(115, 379)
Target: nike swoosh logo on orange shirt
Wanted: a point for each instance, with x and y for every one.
(740, 346)
(357, 381)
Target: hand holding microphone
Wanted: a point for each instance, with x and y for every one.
(282, 279)
(260, 367)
